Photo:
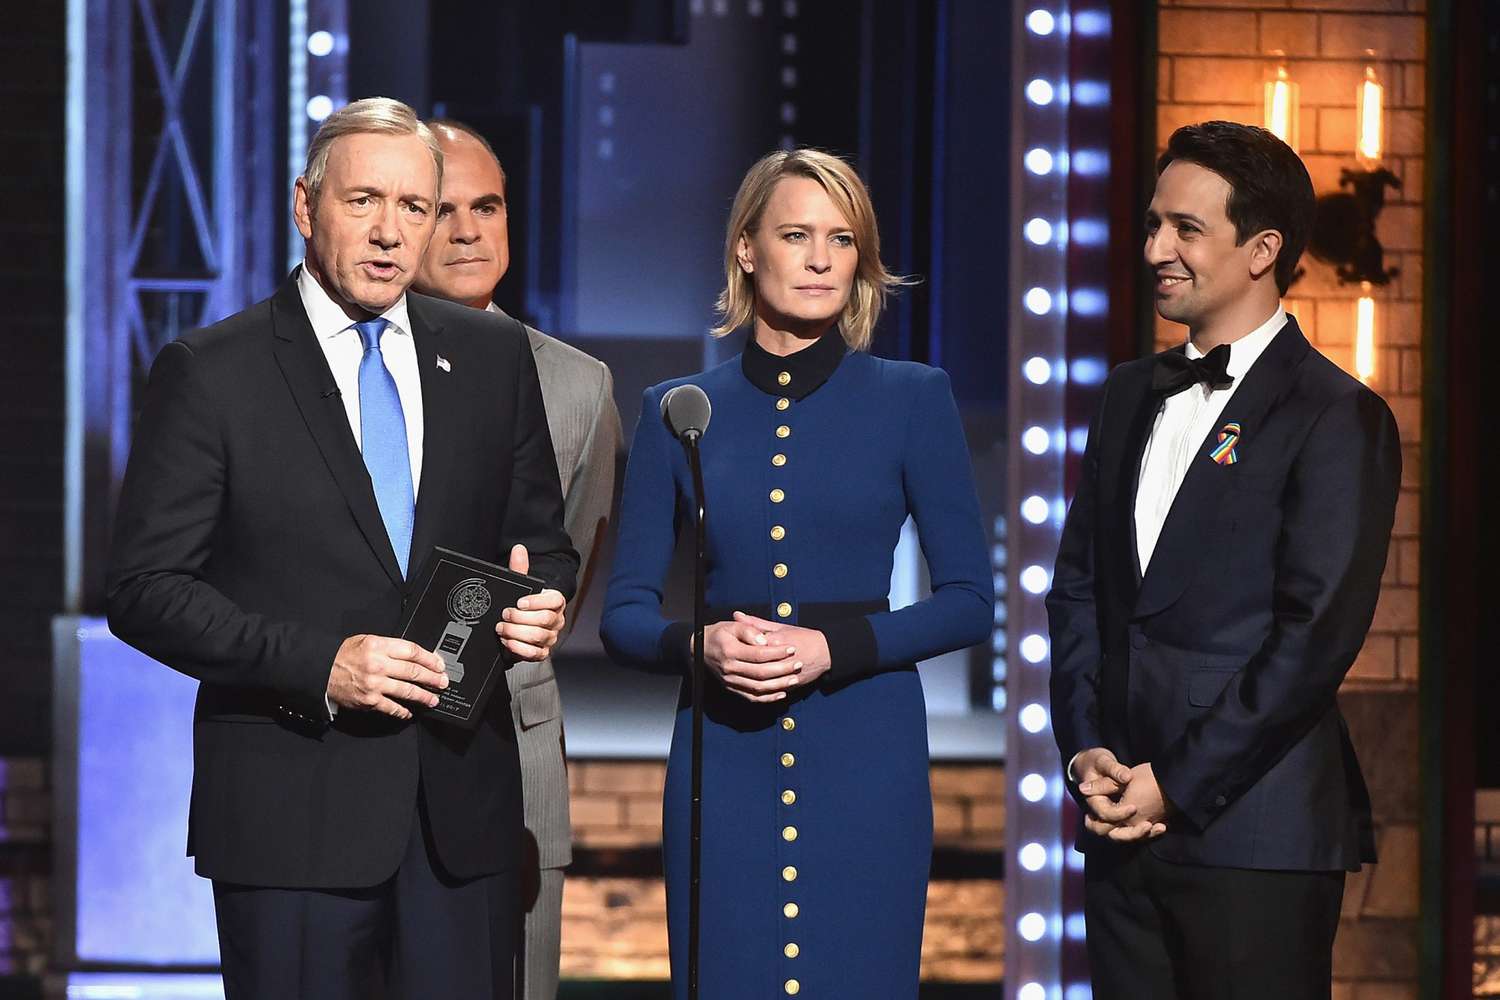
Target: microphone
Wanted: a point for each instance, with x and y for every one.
(686, 410)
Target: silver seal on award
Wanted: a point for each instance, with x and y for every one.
(467, 603)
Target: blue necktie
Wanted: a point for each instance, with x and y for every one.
(382, 435)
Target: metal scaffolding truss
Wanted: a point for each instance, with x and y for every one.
(173, 207)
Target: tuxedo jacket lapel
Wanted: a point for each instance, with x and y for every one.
(308, 376)
(1138, 432)
(1186, 536)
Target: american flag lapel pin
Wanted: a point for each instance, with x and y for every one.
(1229, 436)
(442, 363)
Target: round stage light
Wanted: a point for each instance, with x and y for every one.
(1033, 718)
(1031, 991)
(1039, 231)
(1039, 92)
(1034, 579)
(1037, 370)
(1041, 22)
(319, 107)
(320, 43)
(1033, 926)
(1038, 301)
(1033, 857)
(1033, 788)
(1034, 648)
(1034, 509)
(1036, 440)
(1038, 161)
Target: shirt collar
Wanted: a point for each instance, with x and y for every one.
(1244, 352)
(328, 320)
(795, 375)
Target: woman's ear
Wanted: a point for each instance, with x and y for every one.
(745, 255)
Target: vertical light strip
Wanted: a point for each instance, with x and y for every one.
(317, 83)
(75, 356)
(1038, 453)
(296, 113)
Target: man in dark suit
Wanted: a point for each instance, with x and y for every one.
(292, 467)
(1217, 573)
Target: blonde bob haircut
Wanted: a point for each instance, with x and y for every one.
(377, 115)
(872, 282)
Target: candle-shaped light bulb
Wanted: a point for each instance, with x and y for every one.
(1369, 117)
(1364, 334)
(1282, 100)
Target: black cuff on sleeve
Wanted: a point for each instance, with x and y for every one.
(851, 649)
(676, 647)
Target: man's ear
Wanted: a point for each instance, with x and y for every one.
(745, 255)
(1265, 248)
(302, 208)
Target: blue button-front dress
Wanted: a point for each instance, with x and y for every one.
(817, 811)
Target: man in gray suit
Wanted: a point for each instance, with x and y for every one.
(469, 254)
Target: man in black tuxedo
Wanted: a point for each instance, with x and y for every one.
(1217, 573)
(292, 467)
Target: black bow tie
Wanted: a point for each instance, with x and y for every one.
(1175, 371)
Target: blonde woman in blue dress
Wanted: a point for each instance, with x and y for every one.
(817, 812)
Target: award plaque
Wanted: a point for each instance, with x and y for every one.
(458, 602)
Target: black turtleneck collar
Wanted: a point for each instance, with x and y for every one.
(796, 375)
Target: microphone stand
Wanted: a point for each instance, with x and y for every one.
(700, 613)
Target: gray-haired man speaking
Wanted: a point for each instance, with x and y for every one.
(292, 467)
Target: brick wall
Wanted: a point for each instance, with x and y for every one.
(1212, 58)
(614, 927)
(25, 921)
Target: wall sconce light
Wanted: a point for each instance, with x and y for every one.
(1283, 99)
(1344, 229)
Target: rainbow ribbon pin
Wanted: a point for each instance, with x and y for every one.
(1223, 452)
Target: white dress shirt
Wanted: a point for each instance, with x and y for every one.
(1181, 429)
(344, 350)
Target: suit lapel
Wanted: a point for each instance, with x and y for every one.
(1185, 537)
(439, 427)
(1137, 433)
(307, 374)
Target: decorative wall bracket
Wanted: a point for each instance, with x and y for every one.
(1344, 229)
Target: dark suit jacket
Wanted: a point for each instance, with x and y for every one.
(248, 546)
(1221, 666)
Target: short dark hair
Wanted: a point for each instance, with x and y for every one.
(1268, 184)
(453, 125)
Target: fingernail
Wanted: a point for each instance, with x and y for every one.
(760, 639)
(797, 665)
(505, 614)
(790, 650)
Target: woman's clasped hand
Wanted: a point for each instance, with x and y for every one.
(761, 660)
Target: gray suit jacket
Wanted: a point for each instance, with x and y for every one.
(578, 393)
